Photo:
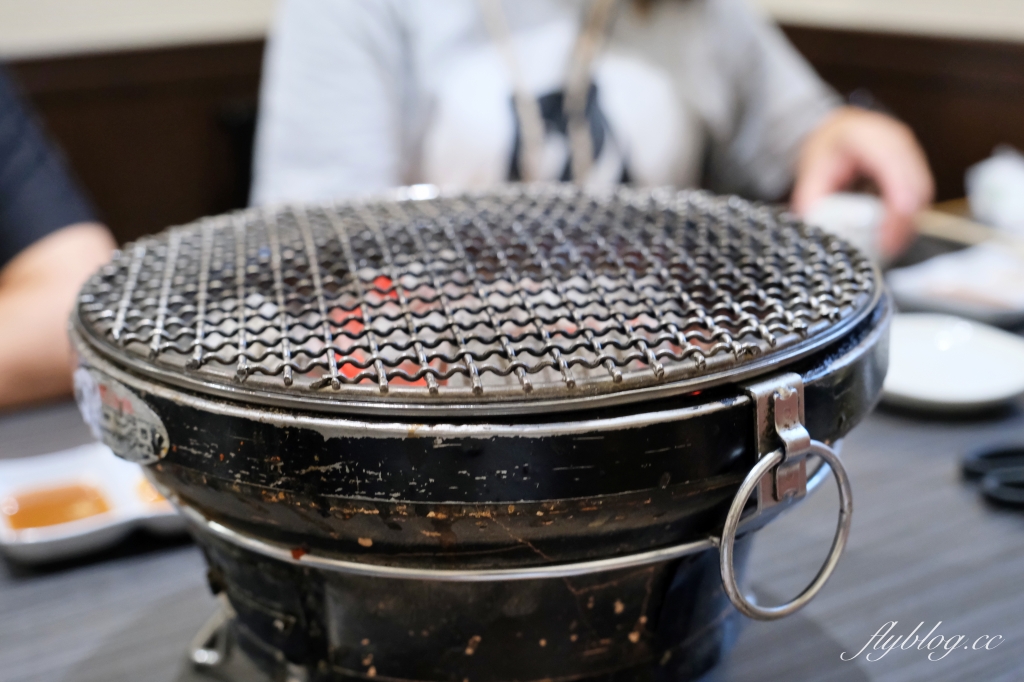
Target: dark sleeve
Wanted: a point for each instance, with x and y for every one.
(37, 194)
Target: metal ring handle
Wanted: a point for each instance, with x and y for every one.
(732, 521)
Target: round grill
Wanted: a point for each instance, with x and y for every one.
(525, 298)
(344, 542)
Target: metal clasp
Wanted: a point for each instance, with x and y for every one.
(779, 424)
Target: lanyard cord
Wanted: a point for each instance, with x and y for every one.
(577, 87)
(531, 122)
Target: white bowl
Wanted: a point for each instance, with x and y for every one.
(856, 218)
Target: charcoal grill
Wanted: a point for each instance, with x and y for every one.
(510, 435)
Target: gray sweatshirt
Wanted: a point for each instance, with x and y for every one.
(362, 95)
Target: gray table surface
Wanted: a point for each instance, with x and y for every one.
(924, 548)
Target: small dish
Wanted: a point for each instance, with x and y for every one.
(947, 363)
(76, 501)
(983, 282)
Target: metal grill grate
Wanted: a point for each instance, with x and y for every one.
(512, 295)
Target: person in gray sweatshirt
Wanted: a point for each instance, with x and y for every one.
(362, 95)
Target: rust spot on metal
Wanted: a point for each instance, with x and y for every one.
(471, 646)
(365, 542)
(298, 553)
(445, 534)
(349, 510)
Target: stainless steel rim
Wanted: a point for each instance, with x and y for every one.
(311, 559)
(568, 570)
(331, 427)
(732, 524)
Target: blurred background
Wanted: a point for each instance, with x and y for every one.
(154, 103)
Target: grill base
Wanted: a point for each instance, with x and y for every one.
(232, 664)
(239, 666)
(667, 621)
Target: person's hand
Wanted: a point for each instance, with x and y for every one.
(854, 144)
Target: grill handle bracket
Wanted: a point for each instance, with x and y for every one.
(779, 424)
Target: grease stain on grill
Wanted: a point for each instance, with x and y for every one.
(515, 295)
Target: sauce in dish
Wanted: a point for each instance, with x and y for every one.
(52, 506)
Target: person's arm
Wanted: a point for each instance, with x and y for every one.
(37, 291)
(331, 102)
(49, 244)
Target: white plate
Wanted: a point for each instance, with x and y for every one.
(97, 467)
(949, 363)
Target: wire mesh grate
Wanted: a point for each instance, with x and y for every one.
(517, 293)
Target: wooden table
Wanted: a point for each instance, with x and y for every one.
(924, 547)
